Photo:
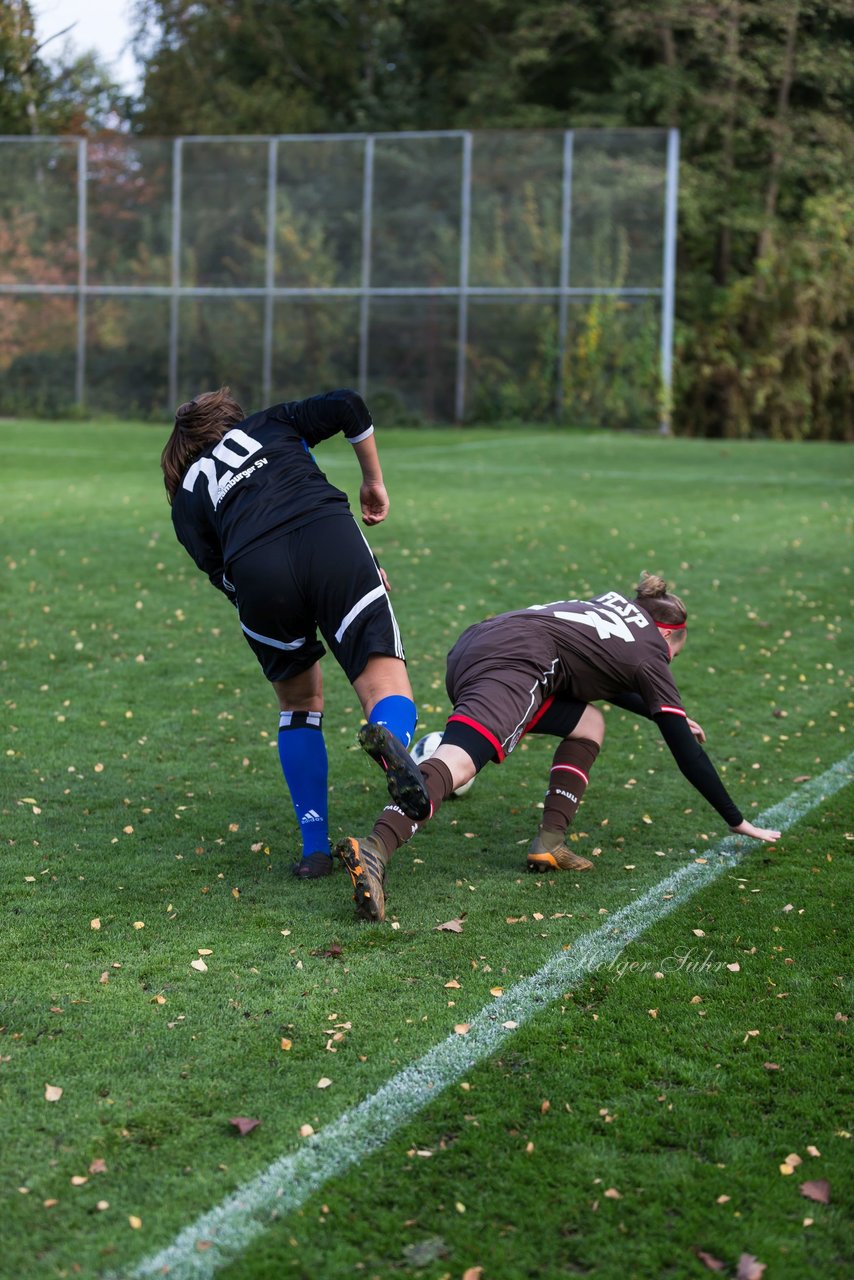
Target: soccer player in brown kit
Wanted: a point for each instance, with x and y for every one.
(538, 670)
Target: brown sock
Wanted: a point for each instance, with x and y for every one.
(568, 780)
(392, 828)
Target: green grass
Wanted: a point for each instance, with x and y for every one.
(132, 702)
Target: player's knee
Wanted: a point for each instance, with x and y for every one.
(591, 725)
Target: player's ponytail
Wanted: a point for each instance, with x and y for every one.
(198, 423)
(662, 606)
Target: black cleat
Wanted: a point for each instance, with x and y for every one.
(366, 868)
(313, 866)
(405, 783)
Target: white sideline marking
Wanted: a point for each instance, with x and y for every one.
(287, 1183)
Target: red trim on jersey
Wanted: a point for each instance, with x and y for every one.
(672, 626)
(542, 711)
(570, 768)
(676, 711)
(490, 737)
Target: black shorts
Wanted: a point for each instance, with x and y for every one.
(321, 577)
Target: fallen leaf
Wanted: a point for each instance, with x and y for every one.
(98, 1166)
(748, 1035)
(95, 924)
(713, 1264)
(205, 951)
(814, 1152)
(462, 1028)
(734, 968)
(285, 1043)
(104, 978)
(324, 1082)
(305, 1131)
(199, 965)
(244, 1124)
(653, 1013)
(771, 1066)
(102, 1205)
(139, 924)
(52, 1092)
(698, 933)
(510, 1025)
(802, 777)
(473, 1273)
(79, 1180)
(496, 991)
(135, 1222)
(794, 1160)
(454, 984)
(749, 1268)
(818, 1189)
(423, 1252)
(786, 1169)
(612, 1194)
(451, 926)
(723, 1200)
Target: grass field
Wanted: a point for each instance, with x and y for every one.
(632, 1120)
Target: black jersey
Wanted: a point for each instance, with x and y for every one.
(260, 479)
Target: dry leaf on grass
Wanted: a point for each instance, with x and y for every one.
(324, 1082)
(135, 1222)
(473, 1273)
(451, 926)
(453, 984)
(817, 1189)
(199, 966)
(52, 1092)
(244, 1124)
(708, 1260)
(749, 1268)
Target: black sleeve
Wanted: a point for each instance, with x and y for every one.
(628, 700)
(320, 417)
(696, 766)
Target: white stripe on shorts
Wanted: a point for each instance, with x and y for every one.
(398, 643)
(277, 644)
(358, 607)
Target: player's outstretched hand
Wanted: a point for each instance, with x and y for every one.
(758, 833)
(697, 730)
(373, 500)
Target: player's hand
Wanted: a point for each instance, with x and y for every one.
(384, 577)
(758, 833)
(373, 500)
(697, 730)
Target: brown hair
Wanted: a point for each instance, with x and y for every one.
(662, 607)
(198, 423)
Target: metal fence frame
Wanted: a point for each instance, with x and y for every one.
(365, 291)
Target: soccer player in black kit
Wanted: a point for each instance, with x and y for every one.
(259, 517)
(538, 670)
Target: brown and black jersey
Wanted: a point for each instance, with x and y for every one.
(260, 480)
(506, 673)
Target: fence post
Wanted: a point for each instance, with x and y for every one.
(668, 283)
(565, 245)
(177, 183)
(367, 231)
(82, 272)
(463, 301)
(270, 271)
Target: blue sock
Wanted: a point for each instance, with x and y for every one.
(398, 714)
(302, 752)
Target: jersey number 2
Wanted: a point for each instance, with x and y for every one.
(224, 453)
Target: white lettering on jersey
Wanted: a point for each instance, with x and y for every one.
(219, 485)
(606, 621)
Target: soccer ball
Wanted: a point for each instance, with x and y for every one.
(424, 749)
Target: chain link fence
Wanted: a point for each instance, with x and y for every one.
(453, 276)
